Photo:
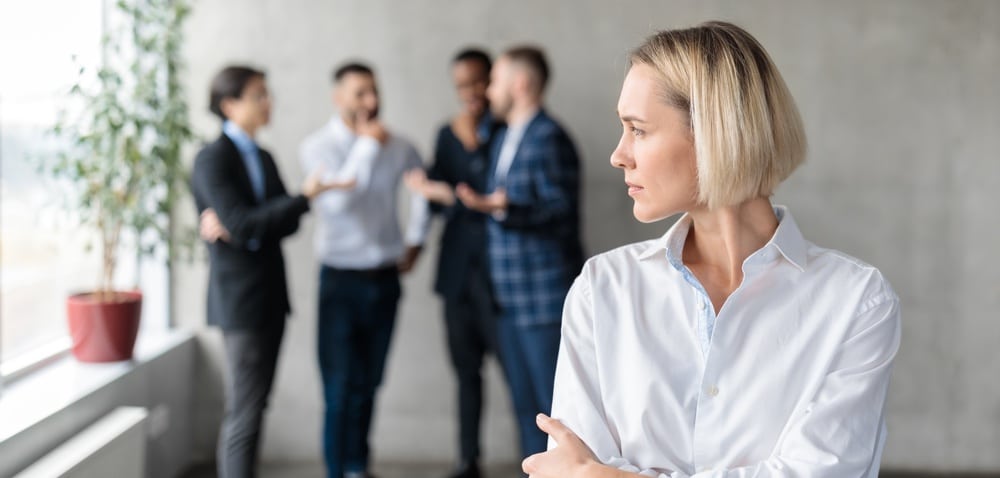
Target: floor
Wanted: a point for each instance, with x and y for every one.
(500, 471)
(380, 471)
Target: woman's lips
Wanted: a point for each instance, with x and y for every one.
(633, 188)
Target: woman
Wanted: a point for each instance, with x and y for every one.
(730, 346)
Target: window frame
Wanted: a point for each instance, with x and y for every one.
(41, 355)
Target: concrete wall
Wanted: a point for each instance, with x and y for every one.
(902, 110)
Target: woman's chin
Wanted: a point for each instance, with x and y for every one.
(647, 215)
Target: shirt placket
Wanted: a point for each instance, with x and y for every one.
(710, 415)
(706, 428)
(704, 441)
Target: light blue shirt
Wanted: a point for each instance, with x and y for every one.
(250, 154)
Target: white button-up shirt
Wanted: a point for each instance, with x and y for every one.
(789, 380)
(359, 228)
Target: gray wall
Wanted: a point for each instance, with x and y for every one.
(902, 111)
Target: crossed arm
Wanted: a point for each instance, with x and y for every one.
(838, 437)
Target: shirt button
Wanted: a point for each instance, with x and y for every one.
(701, 305)
(712, 391)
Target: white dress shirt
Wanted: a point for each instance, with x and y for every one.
(789, 380)
(359, 228)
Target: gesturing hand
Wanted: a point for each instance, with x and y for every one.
(486, 204)
(571, 458)
(210, 228)
(314, 186)
(437, 191)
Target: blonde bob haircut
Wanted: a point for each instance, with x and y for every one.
(748, 135)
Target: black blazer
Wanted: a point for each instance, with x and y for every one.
(464, 237)
(246, 285)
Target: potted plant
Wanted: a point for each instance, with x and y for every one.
(122, 134)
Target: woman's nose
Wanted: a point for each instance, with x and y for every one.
(621, 157)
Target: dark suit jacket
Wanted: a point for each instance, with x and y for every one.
(246, 285)
(464, 237)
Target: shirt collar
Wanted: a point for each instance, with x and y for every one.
(240, 138)
(787, 240)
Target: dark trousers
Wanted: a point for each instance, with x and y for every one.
(470, 322)
(357, 311)
(528, 354)
(251, 358)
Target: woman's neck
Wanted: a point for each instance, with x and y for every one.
(721, 239)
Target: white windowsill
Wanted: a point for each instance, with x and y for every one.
(58, 385)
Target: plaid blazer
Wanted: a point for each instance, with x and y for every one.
(535, 251)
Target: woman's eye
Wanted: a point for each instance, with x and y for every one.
(636, 131)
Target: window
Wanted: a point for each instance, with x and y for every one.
(43, 254)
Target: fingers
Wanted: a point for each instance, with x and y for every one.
(498, 199)
(311, 184)
(415, 179)
(349, 184)
(212, 233)
(207, 216)
(530, 464)
(464, 193)
(208, 226)
(552, 427)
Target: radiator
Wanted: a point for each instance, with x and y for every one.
(114, 446)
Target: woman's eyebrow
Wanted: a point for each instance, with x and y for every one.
(631, 119)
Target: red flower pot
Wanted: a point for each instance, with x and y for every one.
(103, 326)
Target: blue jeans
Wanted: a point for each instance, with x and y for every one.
(528, 354)
(357, 312)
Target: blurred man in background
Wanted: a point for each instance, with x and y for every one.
(362, 253)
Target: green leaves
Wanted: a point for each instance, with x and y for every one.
(123, 129)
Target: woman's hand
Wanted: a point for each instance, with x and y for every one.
(571, 458)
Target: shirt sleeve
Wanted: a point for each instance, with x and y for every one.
(419, 220)
(841, 431)
(577, 400)
(359, 163)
